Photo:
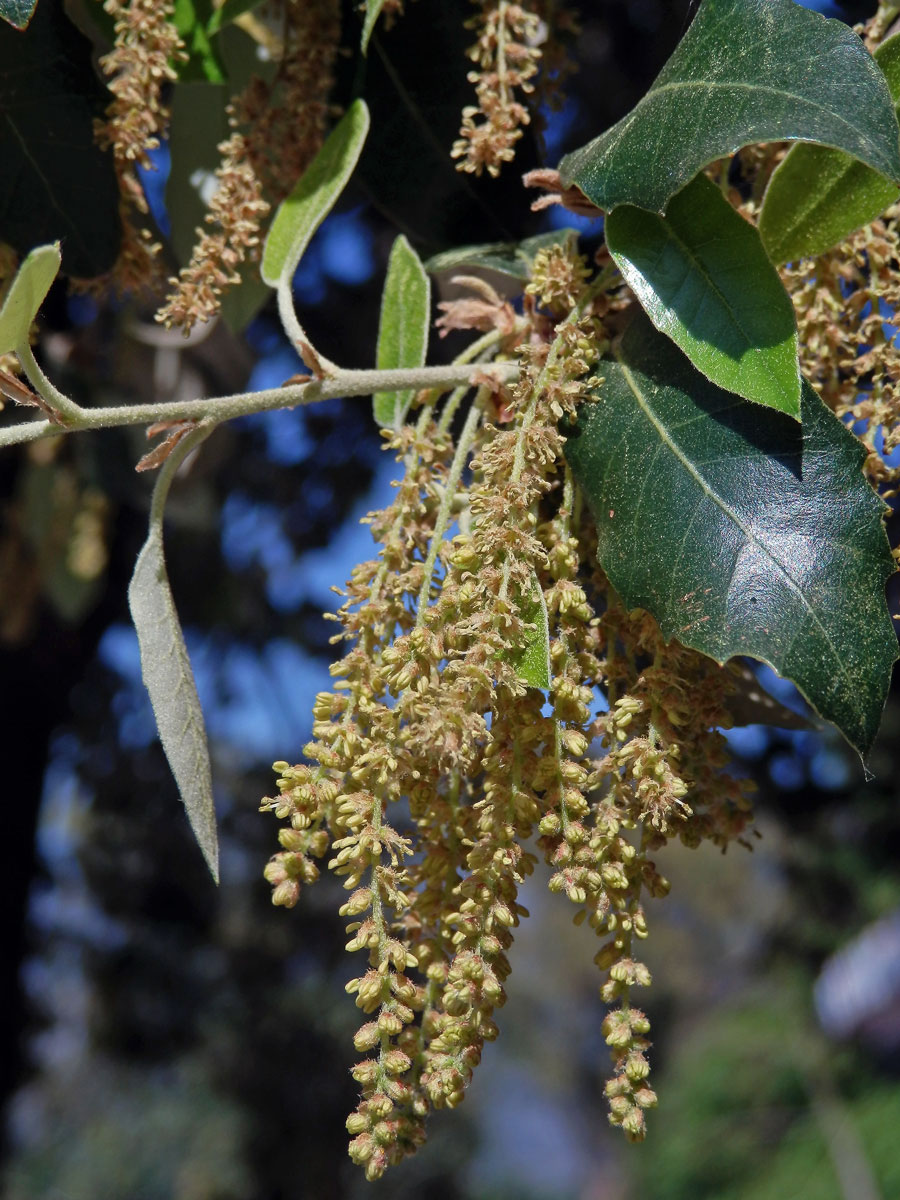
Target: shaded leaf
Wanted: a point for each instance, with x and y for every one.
(740, 531)
(751, 704)
(17, 12)
(532, 662)
(168, 677)
(229, 12)
(818, 196)
(301, 213)
(414, 82)
(402, 329)
(26, 295)
(191, 18)
(704, 279)
(198, 125)
(55, 183)
(515, 259)
(746, 71)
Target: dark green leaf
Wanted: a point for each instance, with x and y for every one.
(301, 213)
(818, 196)
(403, 328)
(168, 677)
(17, 12)
(515, 259)
(192, 18)
(26, 295)
(745, 71)
(414, 82)
(55, 182)
(199, 124)
(703, 277)
(742, 532)
(532, 663)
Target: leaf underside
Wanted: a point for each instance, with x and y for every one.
(746, 71)
(373, 11)
(704, 279)
(514, 259)
(168, 677)
(26, 295)
(818, 196)
(402, 329)
(315, 194)
(740, 531)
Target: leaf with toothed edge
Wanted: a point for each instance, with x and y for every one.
(746, 71)
(818, 196)
(740, 531)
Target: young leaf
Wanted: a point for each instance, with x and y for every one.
(742, 532)
(515, 259)
(704, 279)
(403, 328)
(301, 213)
(532, 662)
(745, 71)
(26, 295)
(167, 673)
(818, 196)
(17, 12)
(373, 12)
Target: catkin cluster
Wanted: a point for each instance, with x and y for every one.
(438, 773)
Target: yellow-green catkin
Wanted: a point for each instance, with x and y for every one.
(430, 719)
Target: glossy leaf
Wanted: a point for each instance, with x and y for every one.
(515, 259)
(26, 295)
(55, 181)
(818, 196)
(373, 12)
(532, 663)
(704, 279)
(169, 680)
(403, 328)
(17, 12)
(746, 71)
(742, 532)
(301, 213)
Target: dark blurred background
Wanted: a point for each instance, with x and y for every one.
(167, 1040)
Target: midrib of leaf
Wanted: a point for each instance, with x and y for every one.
(710, 85)
(727, 510)
(713, 286)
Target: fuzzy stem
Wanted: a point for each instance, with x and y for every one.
(225, 408)
(68, 410)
